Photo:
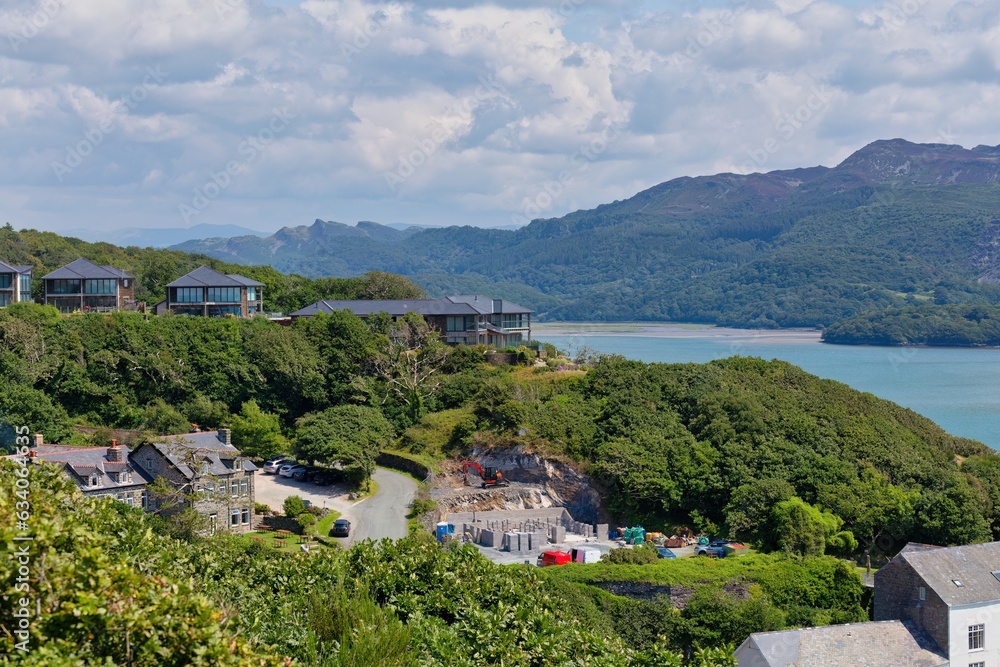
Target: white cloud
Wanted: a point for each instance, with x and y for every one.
(601, 98)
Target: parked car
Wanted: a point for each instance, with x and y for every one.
(272, 465)
(328, 476)
(664, 552)
(305, 474)
(341, 528)
(289, 469)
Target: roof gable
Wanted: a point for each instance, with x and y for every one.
(874, 643)
(959, 575)
(84, 269)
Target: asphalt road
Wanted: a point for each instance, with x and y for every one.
(384, 514)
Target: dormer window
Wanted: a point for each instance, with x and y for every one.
(95, 480)
(236, 464)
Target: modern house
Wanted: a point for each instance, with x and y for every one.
(885, 644)
(209, 466)
(461, 320)
(952, 593)
(15, 283)
(208, 293)
(85, 286)
(98, 471)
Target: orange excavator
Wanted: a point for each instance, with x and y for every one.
(491, 476)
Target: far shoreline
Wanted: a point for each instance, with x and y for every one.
(672, 330)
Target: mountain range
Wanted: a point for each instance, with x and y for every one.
(161, 237)
(895, 222)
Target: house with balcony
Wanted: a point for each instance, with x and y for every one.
(85, 286)
(206, 467)
(98, 471)
(15, 283)
(461, 320)
(208, 293)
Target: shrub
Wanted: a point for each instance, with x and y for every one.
(647, 553)
(307, 520)
(261, 508)
(294, 506)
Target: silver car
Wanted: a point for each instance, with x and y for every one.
(289, 469)
(271, 466)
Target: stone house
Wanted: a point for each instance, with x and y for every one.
(934, 606)
(952, 593)
(207, 465)
(98, 471)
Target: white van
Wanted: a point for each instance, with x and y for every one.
(584, 555)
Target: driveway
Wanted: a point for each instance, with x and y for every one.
(384, 514)
(375, 517)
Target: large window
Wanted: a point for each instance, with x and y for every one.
(5, 281)
(244, 487)
(188, 294)
(102, 286)
(977, 637)
(461, 323)
(4, 299)
(515, 321)
(224, 294)
(64, 286)
(25, 286)
(220, 311)
(234, 518)
(251, 294)
(245, 515)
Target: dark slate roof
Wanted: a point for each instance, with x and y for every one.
(85, 269)
(206, 277)
(12, 268)
(971, 565)
(186, 449)
(83, 462)
(874, 644)
(243, 280)
(449, 305)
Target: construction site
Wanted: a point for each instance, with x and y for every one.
(515, 505)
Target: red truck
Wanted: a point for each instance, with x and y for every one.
(547, 558)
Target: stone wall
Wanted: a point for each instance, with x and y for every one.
(897, 597)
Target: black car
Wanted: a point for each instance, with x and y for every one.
(306, 474)
(341, 528)
(328, 476)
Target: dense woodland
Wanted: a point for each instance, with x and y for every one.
(928, 324)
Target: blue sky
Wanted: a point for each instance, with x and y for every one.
(170, 113)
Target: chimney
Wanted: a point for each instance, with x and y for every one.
(115, 452)
(226, 436)
(39, 440)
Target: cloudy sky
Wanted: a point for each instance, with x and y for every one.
(264, 113)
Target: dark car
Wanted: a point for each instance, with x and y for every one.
(305, 474)
(341, 528)
(664, 552)
(328, 476)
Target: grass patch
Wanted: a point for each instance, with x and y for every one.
(428, 441)
(323, 526)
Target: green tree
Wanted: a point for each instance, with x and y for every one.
(409, 366)
(351, 436)
(257, 433)
(294, 506)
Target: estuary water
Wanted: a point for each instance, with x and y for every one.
(958, 388)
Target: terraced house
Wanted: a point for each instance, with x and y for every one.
(98, 471)
(15, 283)
(85, 286)
(207, 465)
(206, 292)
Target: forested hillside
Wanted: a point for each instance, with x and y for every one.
(805, 247)
(802, 468)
